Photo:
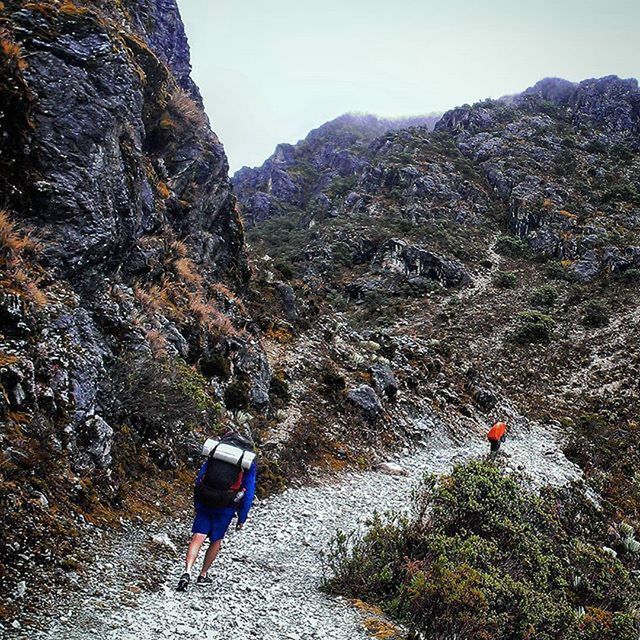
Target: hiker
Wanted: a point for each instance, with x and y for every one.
(497, 435)
(225, 486)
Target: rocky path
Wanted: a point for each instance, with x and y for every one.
(267, 577)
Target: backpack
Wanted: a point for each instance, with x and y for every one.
(498, 432)
(221, 485)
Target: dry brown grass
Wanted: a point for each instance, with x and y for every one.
(158, 343)
(163, 190)
(179, 248)
(160, 298)
(182, 107)
(71, 9)
(19, 251)
(7, 359)
(209, 316)
(13, 240)
(187, 270)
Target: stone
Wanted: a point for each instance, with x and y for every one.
(365, 398)
(392, 469)
(163, 540)
(384, 380)
(21, 589)
(95, 439)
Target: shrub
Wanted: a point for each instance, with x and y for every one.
(483, 556)
(630, 276)
(285, 269)
(510, 246)
(558, 271)
(236, 395)
(332, 380)
(155, 398)
(544, 296)
(533, 327)
(624, 192)
(505, 280)
(595, 314)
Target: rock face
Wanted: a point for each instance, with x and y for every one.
(415, 262)
(555, 161)
(127, 177)
(131, 152)
(117, 231)
(303, 177)
(557, 157)
(365, 398)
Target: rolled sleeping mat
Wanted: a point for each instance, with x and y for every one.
(229, 453)
(208, 446)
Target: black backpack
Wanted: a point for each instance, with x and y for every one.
(221, 485)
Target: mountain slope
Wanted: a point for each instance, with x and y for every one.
(295, 177)
(499, 254)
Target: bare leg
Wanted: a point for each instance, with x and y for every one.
(194, 550)
(210, 556)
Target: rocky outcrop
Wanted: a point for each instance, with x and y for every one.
(557, 157)
(304, 177)
(415, 262)
(131, 151)
(366, 400)
(119, 227)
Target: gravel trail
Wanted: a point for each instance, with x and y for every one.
(266, 578)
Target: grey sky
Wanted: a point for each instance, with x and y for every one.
(271, 70)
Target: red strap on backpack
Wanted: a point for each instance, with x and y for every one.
(237, 485)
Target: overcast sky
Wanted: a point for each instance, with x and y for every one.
(271, 70)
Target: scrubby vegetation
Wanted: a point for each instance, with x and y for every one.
(533, 326)
(484, 556)
(595, 314)
(544, 296)
(506, 280)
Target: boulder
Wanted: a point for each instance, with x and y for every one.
(411, 260)
(366, 399)
(384, 380)
(95, 438)
(392, 469)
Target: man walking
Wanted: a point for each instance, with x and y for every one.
(224, 487)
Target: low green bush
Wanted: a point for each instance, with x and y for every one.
(630, 276)
(236, 395)
(279, 390)
(483, 556)
(544, 296)
(624, 192)
(595, 314)
(557, 271)
(533, 327)
(505, 280)
(215, 366)
(511, 246)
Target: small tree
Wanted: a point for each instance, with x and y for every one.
(506, 280)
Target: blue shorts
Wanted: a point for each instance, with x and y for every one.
(213, 522)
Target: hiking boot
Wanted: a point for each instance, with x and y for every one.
(183, 583)
(204, 580)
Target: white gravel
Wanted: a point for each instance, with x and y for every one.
(267, 576)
